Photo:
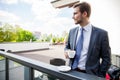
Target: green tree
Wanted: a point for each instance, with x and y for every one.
(7, 33)
(24, 35)
(1, 35)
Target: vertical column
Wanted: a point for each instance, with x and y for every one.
(31, 74)
(6, 69)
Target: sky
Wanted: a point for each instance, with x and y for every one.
(40, 15)
(36, 15)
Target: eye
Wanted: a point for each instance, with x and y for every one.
(75, 13)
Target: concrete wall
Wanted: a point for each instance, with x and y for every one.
(24, 46)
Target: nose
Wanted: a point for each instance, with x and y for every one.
(72, 17)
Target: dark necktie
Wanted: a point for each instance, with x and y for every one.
(79, 47)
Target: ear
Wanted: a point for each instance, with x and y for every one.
(85, 14)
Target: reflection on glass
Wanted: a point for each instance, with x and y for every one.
(2, 68)
(16, 71)
(2, 58)
(43, 76)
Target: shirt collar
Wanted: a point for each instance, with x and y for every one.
(87, 27)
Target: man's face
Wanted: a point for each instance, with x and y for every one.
(77, 16)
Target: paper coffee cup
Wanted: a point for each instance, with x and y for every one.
(71, 53)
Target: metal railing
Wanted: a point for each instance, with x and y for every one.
(42, 67)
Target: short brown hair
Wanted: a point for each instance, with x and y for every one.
(84, 6)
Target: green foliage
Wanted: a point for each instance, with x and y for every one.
(45, 38)
(24, 35)
(1, 35)
(58, 40)
(8, 33)
(1, 58)
(54, 39)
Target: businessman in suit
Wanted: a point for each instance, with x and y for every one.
(93, 53)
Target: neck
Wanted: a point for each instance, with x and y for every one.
(84, 23)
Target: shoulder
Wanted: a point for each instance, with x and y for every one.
(100, 30)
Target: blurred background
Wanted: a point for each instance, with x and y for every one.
(38, 20)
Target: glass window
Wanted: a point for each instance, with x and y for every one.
(16, 71)
(2, 68)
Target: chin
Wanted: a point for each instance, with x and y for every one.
(76, 23)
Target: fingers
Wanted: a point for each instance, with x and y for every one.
(66, 55)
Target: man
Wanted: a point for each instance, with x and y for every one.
(93, 54)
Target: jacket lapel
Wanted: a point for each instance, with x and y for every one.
(92, 40)
(75, 37)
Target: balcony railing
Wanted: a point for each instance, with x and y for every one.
(14, 67)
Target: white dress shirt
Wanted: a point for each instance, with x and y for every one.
(87, 33)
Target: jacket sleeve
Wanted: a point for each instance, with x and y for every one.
(67, 44)
(105, 55)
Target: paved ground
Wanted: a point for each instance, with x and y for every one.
(55, 51)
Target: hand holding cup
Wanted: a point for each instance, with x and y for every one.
(70, 53)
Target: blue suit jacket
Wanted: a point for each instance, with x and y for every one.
(98, 49)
